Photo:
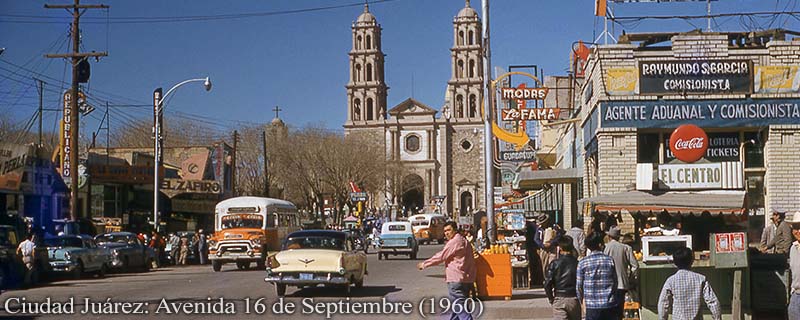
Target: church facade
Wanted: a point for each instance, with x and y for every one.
(441, 151)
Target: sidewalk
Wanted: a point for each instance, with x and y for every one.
(524, 304)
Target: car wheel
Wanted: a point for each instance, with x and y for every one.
(261, 265)
(216, 265)
(413, 255)
(102, 272)
(347, 289)
(147, 264)
(280, 289)
(360, 282)
(78, 272)
(243, 265)
(380, 256)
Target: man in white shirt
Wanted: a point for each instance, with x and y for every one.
(26, 251)
(793, 218)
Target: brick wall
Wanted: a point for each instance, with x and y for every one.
(617, 164)
(700, 46)
(782, 177)
(784, 52)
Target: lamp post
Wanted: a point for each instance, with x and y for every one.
(158, 108)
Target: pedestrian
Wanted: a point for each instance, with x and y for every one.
(559, 283)
(532, 247)
(482, 238)
(783, 234)
(794, 266)
(578, 238)
(684, 292)
(769, 238)
(625, 265)
(155, 243)
(175, 247)
(26, 250)
(202, 247)
(596, 281)
(184, 251)
(546, 238)
(460, 269)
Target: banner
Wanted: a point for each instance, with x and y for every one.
(194, 168)
(622, 81)
(703, 113)
(776, 79)
(13, 158)
(709, 76)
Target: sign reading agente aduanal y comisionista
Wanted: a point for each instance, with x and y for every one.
(703, 113)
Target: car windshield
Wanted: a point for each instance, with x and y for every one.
(314, 242)
(8, 237)
(242, 221)
(108, 238)
(417, 223)
(63, 242)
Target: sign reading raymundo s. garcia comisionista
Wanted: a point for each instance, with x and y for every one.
(708, 76)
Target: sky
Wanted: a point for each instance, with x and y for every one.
(294, 53)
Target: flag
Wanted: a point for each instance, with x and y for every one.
(600, 8)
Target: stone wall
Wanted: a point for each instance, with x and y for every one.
(468, 164)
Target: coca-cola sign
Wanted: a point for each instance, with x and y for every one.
(688, 143)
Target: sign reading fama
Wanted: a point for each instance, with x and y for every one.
(708, 76)
(172, 187)
(702, 113)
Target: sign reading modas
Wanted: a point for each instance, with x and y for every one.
(688, 143)
(709, 76)
(173, 187)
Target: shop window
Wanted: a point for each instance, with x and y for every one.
(648, 148)
(753, 150)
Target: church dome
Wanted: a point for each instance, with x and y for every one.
(366, 16)
(277, 122)
(467, 12)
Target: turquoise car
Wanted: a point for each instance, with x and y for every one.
(77, 255)
(397, 238)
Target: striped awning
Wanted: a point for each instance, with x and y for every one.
(673, 202)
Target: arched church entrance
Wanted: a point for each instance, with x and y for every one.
(413, 197)
(465, 205)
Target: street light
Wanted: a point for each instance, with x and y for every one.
(158, 106)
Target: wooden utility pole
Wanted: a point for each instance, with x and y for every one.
(266, 164)
(41, 93)
(69, 151)
(233, 159)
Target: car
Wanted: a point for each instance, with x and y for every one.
(127, 251)
(397, 237)
(76, 255)
(317, 257)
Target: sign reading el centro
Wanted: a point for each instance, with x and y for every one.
(703, 113)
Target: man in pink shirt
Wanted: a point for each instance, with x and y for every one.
(459, 267)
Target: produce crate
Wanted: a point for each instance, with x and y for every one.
(494, 275)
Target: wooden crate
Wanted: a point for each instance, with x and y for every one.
(494, 276)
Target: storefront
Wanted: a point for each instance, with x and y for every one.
(691, 145)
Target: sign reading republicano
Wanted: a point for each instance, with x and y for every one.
(709, 76)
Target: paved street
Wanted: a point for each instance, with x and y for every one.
(166, 289)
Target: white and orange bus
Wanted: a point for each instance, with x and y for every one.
(246, 228)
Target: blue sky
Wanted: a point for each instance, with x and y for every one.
(298, 61)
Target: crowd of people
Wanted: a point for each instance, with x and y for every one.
(178, 248)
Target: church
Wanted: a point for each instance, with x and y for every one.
(441, 150)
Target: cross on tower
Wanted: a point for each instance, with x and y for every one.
(277, 109)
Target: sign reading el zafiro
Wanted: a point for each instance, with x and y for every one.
(708, 76)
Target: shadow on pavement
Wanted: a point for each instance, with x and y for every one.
(366, 291)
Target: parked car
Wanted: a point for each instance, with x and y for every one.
(127, 251)
(317, 257)
(76, 255)
(397, 237)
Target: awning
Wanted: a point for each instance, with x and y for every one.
(528, 179)
(673, 202)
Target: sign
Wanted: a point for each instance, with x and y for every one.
(518, 156)
(721, 147)
(122, 173)
(173, 187)
(358, 196)
(721, 175)
(523, 93)
(709, 76)
(776, 79)
(13, 158)
(729, 242)
(621, 82)
(525, 114)
(703, 113)
(688, 143)
(194, 168)
(193, 206)
(66, 134)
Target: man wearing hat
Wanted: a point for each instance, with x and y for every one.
(793, 219)
(783, 235)
(624, 263)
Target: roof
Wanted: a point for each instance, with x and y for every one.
(673, 202)
(245, 201)
(528, 178)
(467, 11)
(318, 233)
(426, 216)
(366, 16)
(119, 234)
(411, 106)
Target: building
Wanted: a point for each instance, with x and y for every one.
(441, 150)
(740, 88)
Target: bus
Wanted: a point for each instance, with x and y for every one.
(246, 228)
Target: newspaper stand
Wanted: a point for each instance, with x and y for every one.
(494, 275)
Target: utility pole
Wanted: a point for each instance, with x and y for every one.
(41, 93)
(233, 166)
(488, 140)
(266, 163)
(69, 154)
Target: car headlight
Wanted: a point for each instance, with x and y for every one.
(67, 256)
(341, 271)
(256, 241)
(115, 253)
(212, 243)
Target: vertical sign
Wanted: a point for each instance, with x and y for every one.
(66, 166)
(157, 116)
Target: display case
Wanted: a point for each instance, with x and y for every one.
(660, 248)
